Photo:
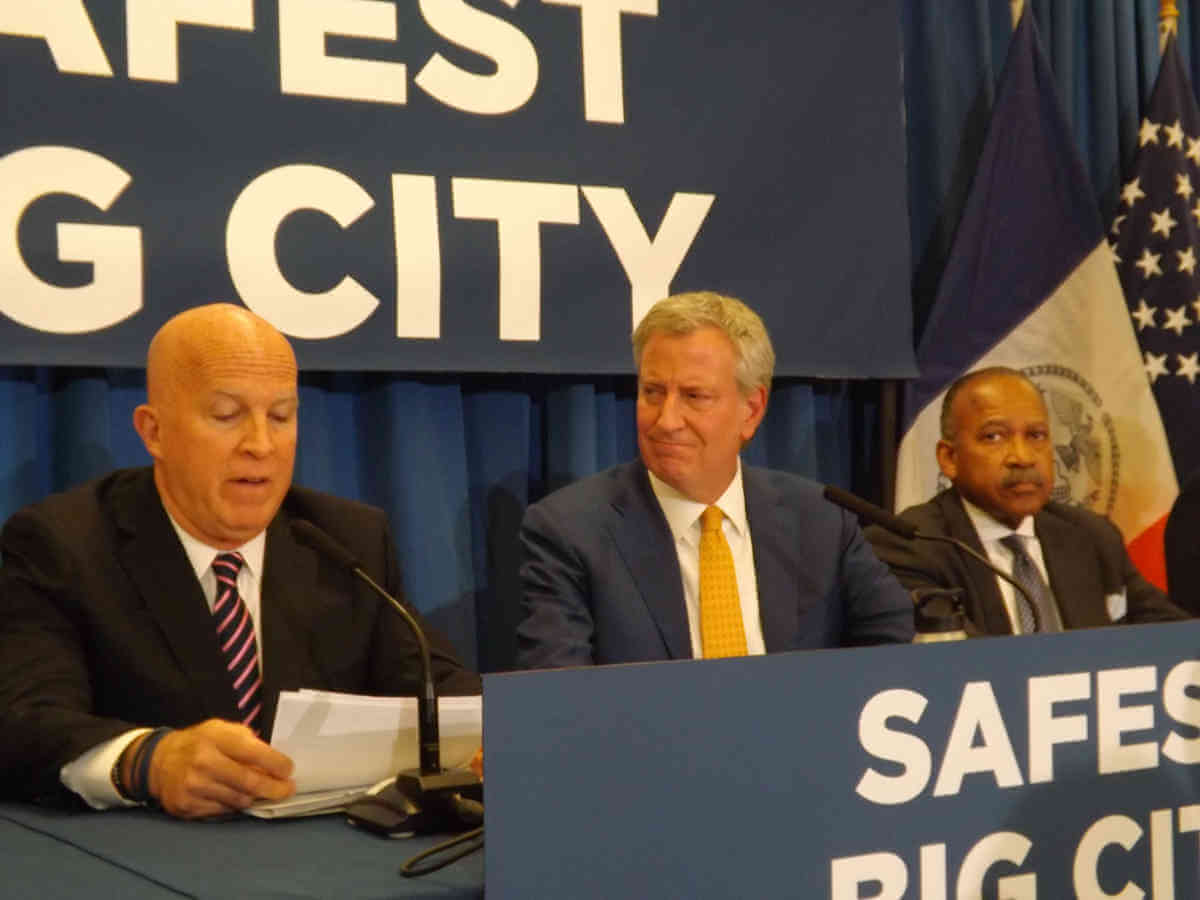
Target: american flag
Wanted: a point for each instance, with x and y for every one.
(1030, 284)
(1155, 241)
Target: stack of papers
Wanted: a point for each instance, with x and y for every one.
(345, 744)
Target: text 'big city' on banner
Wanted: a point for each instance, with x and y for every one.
(501, 185)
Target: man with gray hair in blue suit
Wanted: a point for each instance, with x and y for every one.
(686, 553)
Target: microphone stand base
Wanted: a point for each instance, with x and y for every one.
(446, 802)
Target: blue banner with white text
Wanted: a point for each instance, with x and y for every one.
(1045, 766)
(443, 185)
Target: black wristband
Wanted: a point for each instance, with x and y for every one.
(115, 774)
(139, 789)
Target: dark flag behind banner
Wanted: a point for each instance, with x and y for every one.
(452, 186)
(1156, 237)
(1030, 284)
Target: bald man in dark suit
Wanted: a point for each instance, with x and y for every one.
(107, 638)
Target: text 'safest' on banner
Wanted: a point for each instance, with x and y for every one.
(964, 769)
(444, 185)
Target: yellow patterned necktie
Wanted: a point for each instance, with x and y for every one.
(721, 631)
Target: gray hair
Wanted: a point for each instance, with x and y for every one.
(683, 314)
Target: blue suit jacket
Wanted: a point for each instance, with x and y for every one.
(601, 583)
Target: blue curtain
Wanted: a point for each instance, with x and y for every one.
(455, 460)
(1104, 54)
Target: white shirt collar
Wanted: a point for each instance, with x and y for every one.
(201, 556)
(683, 515)
(991, 529)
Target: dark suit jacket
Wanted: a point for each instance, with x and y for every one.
(103, 624)
(601, 581)
(1182, 544)
(1085, 559)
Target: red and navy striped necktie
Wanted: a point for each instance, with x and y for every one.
(235, 635)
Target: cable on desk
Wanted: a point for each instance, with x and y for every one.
(409, 869)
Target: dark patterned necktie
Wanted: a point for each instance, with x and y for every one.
(235, 635)
(1025, 573)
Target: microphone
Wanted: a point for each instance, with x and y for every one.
(313, 537)
(877, 515)
(421, 800)
(427, 721)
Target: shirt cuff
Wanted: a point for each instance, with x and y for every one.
(90, 774)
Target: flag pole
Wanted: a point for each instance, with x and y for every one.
(1017, 6)
(1168, 22)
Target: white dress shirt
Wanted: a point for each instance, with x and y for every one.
(991, 532)
(683, 518)
(89, 774)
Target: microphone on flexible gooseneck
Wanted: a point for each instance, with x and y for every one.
(421, 800)
(427, 720)
(878, 516)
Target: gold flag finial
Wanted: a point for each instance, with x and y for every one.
(1018, 5)
(1168, 22)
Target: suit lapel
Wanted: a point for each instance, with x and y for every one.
(150, 552)
(981, 581)
(778, 605)
(643, 537)
(289, 574)
(1074, 572)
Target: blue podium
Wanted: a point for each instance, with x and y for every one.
(1043, 766)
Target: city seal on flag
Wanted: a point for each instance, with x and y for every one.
(1086, 453)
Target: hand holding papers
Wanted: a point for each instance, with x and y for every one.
(342, 744)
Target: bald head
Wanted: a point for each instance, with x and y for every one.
(220, 421)
(216, 340)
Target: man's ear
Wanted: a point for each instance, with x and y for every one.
(146, 424)
(756, 404)
(947, 459)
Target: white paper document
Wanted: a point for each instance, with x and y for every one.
(342, 744)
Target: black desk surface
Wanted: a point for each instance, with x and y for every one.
(144, 854)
